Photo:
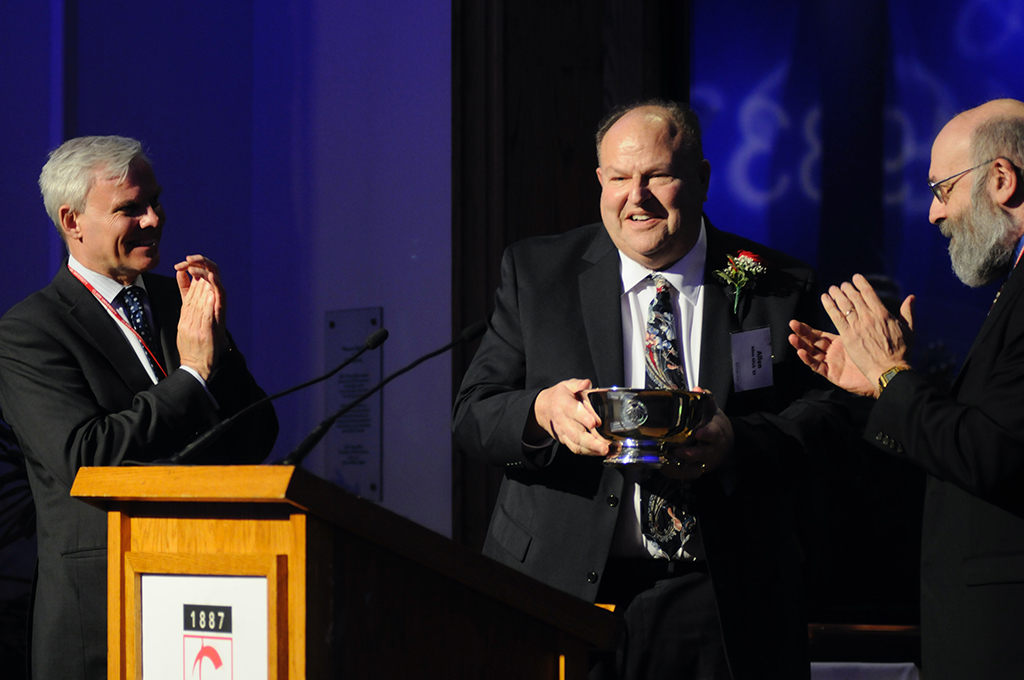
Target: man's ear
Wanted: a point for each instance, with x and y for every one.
(1007, 188)
(68, 223)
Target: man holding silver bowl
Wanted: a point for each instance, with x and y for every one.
(690, 536)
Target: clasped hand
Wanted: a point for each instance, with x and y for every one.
(871, 340)
(202, 332)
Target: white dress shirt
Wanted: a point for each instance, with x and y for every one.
(686, 278)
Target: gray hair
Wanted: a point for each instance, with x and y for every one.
(74, 167)
(998, 137)
(683, 118)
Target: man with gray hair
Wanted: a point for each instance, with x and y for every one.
(970, 440)
(107, 365)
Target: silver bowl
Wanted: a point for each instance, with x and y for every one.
(641, 422)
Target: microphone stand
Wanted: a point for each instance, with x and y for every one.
(313, 438)
(373, 341)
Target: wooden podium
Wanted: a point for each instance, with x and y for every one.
(353, 590)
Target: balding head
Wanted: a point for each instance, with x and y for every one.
(683, 124)
(993, 109)
(974, 137)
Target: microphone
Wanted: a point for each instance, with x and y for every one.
(296, 457)
(373, 341)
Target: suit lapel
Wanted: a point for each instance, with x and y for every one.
(600, 285)
(1004, 302)
(718, 322)
(164, 304)
(100, 330)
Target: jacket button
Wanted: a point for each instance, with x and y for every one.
(612, 501)
(592, 577)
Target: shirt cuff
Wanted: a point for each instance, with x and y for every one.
(195, 374)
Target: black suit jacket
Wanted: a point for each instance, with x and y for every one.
(971, 443)
(76, 395)
(558, 316)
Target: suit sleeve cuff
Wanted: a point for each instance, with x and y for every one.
(195, 374)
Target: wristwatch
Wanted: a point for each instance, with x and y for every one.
(887, 377)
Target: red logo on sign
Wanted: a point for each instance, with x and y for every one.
(211, 658)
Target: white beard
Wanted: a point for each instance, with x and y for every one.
(983, 240)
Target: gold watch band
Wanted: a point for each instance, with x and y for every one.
(887, 376)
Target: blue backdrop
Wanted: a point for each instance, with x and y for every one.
(819, 117)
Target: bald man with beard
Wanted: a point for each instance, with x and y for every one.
(969, 440)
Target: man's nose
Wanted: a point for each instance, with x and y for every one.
(937, 211)
(638, 191)
(151, 218)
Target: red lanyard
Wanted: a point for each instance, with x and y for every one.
(110, 308)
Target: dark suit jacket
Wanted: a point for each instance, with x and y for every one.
(558, 316)
(76, 395)
(971, 443)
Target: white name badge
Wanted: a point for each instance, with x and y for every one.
(752, 359)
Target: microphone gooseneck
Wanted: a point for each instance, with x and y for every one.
(373, 341)
(296, 457)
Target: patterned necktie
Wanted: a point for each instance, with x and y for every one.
(664, 369)
(133, 299)
(663, 501)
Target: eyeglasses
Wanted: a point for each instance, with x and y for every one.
(942, 192)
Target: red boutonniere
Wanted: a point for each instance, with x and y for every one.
(741, 273)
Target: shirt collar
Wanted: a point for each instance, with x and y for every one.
(104, 285)
(686, 275)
